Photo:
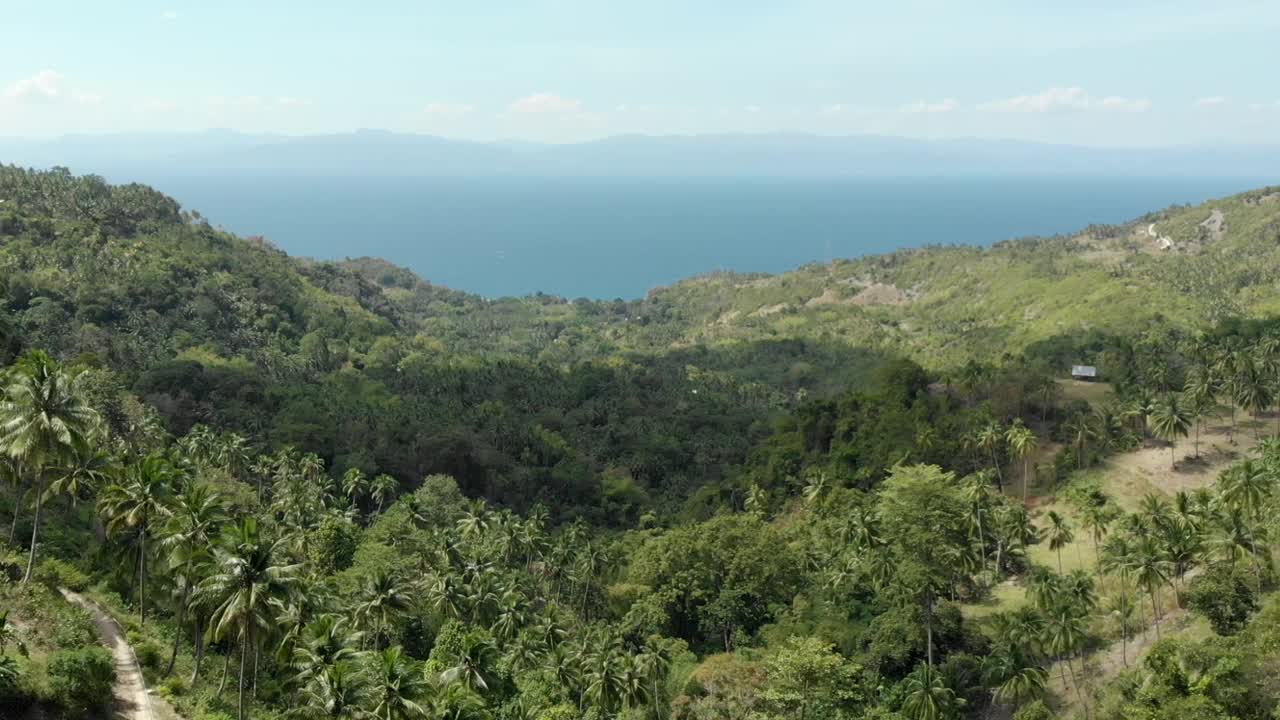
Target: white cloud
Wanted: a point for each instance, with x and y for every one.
(1213, 101)
(1065, 99)
(169, 15)
(1123, 104)
(48, 87)
(287, 101)
(448, 109)
(545, 103)
(1056, 99)
(942, 106)
(240, 101)
(753, 109)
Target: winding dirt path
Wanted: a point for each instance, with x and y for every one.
(131, 700)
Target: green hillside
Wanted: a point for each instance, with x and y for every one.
(280, 488)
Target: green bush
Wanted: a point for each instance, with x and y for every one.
(57, 573)
(1033, 711)
(174, 686)
(81, 679)
(150, 655)
(1225, 596)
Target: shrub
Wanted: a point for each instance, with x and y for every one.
(57, 573)
(174, 686)
(1033, 711)
(81, 679)
(1225, 596)
(150, 655)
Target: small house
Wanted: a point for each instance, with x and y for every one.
(1084, 372)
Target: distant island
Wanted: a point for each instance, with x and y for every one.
(378, 152)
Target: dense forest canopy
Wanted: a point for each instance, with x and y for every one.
(331, 489)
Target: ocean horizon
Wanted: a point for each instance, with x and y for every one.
(619, 238)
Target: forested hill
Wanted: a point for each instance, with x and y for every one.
(865, 490)
(538, 398)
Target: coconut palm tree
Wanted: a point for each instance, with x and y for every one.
(397, 686)
(1150, 570)
(1013, 674)
(1081, 429)
(325, 643)
(989, 438)
(85, 469)
(195, 519)
(1170, 422)
(342, 691)
(248, 589)
(44, 416)
(355, 485)
(137, 504)
(472, 667)
(1060, 534)
(1022, 441)
(1121, 607)
(383, 488)
(928, 697)
(1097, 520)
(1065, 636)
(383, 596)
(654, 662)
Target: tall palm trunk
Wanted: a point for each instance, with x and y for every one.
(177, 635)
(35, 528)
(17, 512)
(226, 667)
(142, 579)
(244, 651)
(1155, 613)
(199, 638)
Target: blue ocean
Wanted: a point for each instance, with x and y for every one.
(620, 238)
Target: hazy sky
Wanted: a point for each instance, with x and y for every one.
(1102, 72)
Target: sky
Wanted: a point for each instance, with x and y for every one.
(1091, 72)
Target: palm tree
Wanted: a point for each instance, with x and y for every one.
(1248, 486)
(1081, 429)
(1150, 570)
(355, 485)
(248, 589)
(1121, 606)
(471, 667)
(977, 492)
(43, 417)
(136, 504)
(325, 643)
(1023, 442)
(11, 473)
(989, 439)
(383, 596)
(1170, 422)
(342, 691)
(1097, 520)
(654, 662)
(384, 488)
(85, 469)
(928, 697)
(397, 686)
(194, 520)
(1065, 637)
(1060, 534)
(1200, 391)
(1013, 674)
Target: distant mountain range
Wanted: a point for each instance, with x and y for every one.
(376, 152)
